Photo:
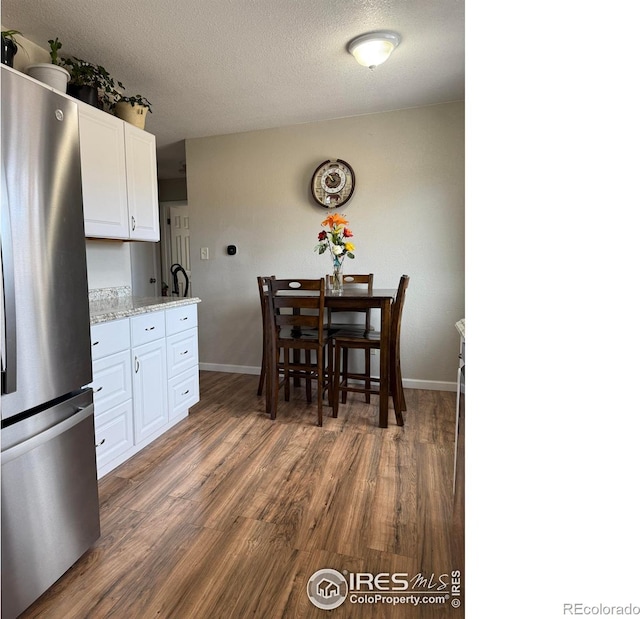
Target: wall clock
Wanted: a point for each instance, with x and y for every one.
(332, 183)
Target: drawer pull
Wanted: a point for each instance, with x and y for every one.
(98, 390)
(133, 223)
(185, 318)
(149, 328)
(101, 442)
(95, 343)
(184, 353)
(185, 392)
(137, 365)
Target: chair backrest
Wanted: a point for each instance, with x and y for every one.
(396, 312)
(354, 281)
(263, 289)
(297, 310)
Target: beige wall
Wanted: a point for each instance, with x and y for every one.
(407, 215)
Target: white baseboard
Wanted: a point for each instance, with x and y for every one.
(430, 385)
(408, 383)
(232, 369)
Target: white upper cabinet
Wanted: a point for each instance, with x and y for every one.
(104, 174)
(142, 184)
(119, 178)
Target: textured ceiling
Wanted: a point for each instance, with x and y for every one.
(212, 67)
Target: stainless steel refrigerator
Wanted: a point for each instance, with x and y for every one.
(49, 484)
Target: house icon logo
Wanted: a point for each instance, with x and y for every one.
(327, 589)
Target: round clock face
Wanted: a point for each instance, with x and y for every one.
(332, 183)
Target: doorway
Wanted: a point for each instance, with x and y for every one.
(176, 249)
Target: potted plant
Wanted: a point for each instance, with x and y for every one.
(51, 73)
(9, 46)
(132, 109)
(90, 82)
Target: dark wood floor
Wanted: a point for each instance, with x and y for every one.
(230, 513)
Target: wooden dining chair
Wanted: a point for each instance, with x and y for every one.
(343, 341)
(297, 326)
(358, 327)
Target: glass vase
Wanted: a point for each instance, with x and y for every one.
(337, 281)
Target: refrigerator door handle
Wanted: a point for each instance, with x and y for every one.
(7, 298)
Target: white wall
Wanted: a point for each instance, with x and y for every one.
(407, 215)
(108, 264)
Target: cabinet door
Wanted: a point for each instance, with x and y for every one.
(149, 394)
(142, 184)
(104, 185)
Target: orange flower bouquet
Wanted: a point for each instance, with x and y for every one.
(334, 240)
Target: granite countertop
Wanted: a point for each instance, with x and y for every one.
(460, 327)
(107, 304)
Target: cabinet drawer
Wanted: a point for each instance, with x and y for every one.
(182, 352)
(147, 328)
(111, 381)
(114, 433)
(108, 338)
(181, 318)
(184, 391)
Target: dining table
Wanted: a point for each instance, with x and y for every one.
(349, 299)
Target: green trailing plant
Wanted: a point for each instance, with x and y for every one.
(85, 73)
(55, 47)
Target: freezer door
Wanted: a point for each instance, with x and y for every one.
(45, 280)
(50, 514)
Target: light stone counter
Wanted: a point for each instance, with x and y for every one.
(107, 304)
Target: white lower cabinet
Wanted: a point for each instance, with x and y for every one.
(149, 400)
(145, 378)
(112, 393)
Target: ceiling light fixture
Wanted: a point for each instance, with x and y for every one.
(374, 48)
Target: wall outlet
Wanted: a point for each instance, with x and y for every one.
(204, 253)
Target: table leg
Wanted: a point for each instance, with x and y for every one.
(385, 331)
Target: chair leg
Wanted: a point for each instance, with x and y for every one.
(273, 381)
(261, 381)
(367, 371)
(397, 393)
(307, 360)
(345, 372)
(335, 388)
(398, 377)
(287, 379)
(328, 384)
(320, 376)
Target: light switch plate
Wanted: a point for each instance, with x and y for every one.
(204, 253)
